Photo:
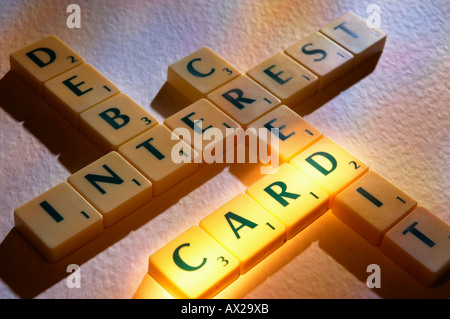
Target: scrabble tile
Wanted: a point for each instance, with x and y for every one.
(43, 60)
(371, 206)
(206, 128)
(113, 186)
(420, 243)
(291, 82)
(290, 197)
(245, 229)
(199, 73)
(243, 99)
(293, 133)
(329, 166)
(193, 265)
(77, 90)
(114, 122)
(352, 32)
(161, 156)
(58, 222)
(322, 56)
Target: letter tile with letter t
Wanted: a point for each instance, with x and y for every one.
(420, 244)
(329, 166)
(199, 73)
(113, 186)
(58, 222)
(43, 60)
(193, 265)
(115, 121)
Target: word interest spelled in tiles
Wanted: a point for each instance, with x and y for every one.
(144, 158)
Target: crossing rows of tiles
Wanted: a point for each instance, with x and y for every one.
(316, 174)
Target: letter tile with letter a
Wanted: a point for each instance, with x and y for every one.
(193, 265)
(43, 60)
(329, 166)
(113, 186)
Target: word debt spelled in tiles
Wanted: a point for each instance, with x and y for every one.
(145, 158)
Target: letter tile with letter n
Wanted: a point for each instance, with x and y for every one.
(291, 82)
(43, 60)
(290, 197)
(420, 244)
(161, 156)
(77, 90)
(371, 206)
(58, 222)
(353, 33)
(113, 186)
(193, 265)
(245, 229)
(329, 166)
(114, 122)
(199, 73)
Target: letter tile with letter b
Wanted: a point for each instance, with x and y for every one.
(353, 33)
(43, 60)
(199, 73)
(322, 56)
(58, 222)
(193, 265)
(291, 82)
(329, 166)
(420, 243)
(115, 121)
(77, 90)
(245, 229)
(113, 186)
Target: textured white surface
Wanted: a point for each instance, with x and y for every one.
(395, 118)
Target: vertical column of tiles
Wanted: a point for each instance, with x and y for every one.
(353, 33)
(193, 265)
(77, 90)
(288, 80)
(199, 73)
(161, 156)
(420, 243)
(114, 122)
(43, 60)
(58, 221)
(322, 56)
(113, 186)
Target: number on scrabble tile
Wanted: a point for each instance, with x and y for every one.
(77, 90)
(322, 56)
(245, 229)
(206, 128)
(420, 243)
(113, 186)
(371, 206)
(290, 197)
(193, 265)
(161, 156)
(329, 166)
(58, 222)
(288, 80)
(43, 60)
(293, 133)
(243, 99)
(353, 33)
(199, 73)
(115, 121)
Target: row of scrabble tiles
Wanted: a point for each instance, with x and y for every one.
(83, 221)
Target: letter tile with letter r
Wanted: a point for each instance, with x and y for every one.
(199, 73)
(193, 265)
(329, 166)
(114, 122)
(42, 61)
